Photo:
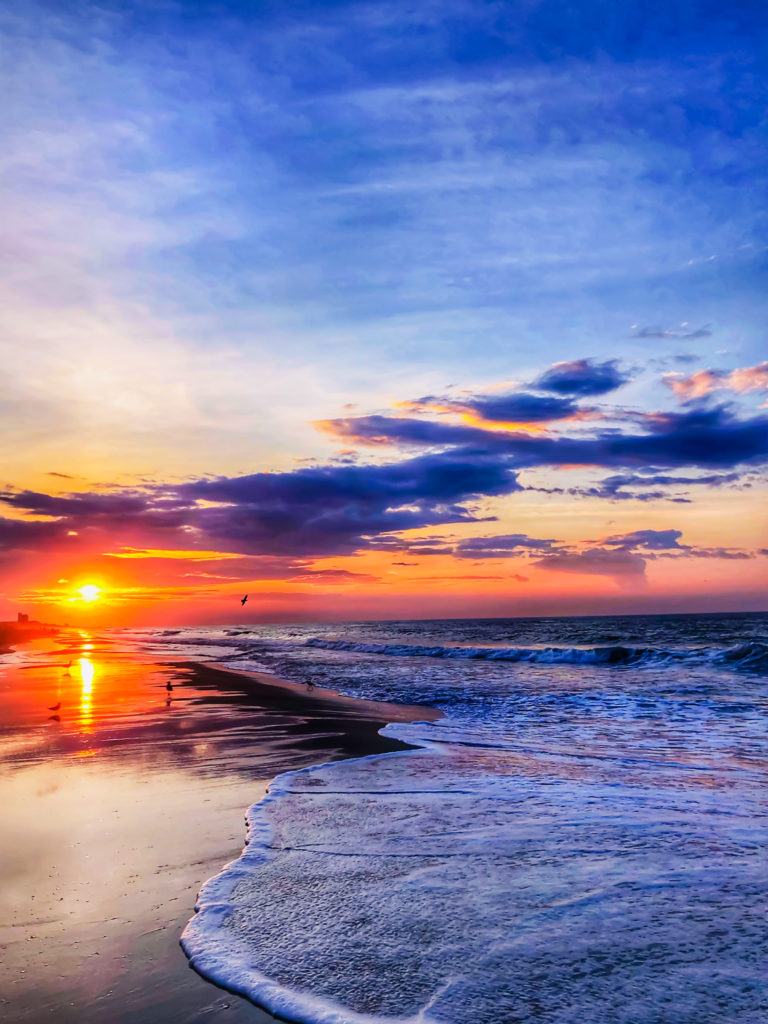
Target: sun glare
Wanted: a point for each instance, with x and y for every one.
(89, 592)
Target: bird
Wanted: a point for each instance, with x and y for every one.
(244, 599)
(55, 707)
(169, 686)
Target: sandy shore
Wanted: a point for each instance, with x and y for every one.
(121, 802)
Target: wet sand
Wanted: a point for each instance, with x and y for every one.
(119, 804)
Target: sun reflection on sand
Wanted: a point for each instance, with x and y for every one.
(86, 694)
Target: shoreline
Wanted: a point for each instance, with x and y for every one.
(360, 721)
(273, 692)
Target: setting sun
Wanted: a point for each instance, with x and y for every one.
(89, 592)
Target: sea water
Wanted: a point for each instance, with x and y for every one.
(582, 837)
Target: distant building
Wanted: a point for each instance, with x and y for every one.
(22, 619)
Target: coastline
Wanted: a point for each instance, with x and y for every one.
(151, 793)
(282, 694)
(359, 721)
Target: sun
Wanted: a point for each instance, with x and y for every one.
(89, 592)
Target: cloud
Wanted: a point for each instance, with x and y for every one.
(704, 382)
(20, 533)
(621, 565)
(653, 540)
(614, 488)
(378, 430)
(342, 508)
(510, 545)
(339, 508)
(313, 511)
(336, 508)
(582, 377)
(666, 544)
(90, 506)
(701, 438)
(662, 332)
(515, 407)
(611, 486)
(727, 553)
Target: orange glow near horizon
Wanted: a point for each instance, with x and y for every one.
(152, 585)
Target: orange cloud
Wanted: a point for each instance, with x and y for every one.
(193, 555)
(702, 382)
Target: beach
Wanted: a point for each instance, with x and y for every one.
(453, 821)
(121, 803)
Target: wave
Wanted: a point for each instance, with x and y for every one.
(750, 656)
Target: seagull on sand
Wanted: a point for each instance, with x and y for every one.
(244, 599)
(55, 707)
(169, 686)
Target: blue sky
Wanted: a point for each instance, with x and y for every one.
(226, 221)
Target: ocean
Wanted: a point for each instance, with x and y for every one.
(583, 837)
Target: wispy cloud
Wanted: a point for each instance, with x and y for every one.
(683, 332)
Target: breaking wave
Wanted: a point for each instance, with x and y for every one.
(748, 656)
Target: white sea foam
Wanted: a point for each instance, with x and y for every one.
(449, 886)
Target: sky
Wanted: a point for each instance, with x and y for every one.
(382, 310)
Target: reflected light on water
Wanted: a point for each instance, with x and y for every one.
(86, 694)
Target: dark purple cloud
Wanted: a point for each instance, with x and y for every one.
(310, 511)
(582, 377)
(19, 533)
(698, 438)
(666, 544)
(388, 430)
(614, 488)
(515, 407)
(337, 508)
(652, 540)
(88, 505)
(524, 408)
(509, 545)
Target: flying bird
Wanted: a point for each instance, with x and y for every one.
(55, 707)
(244, 599)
